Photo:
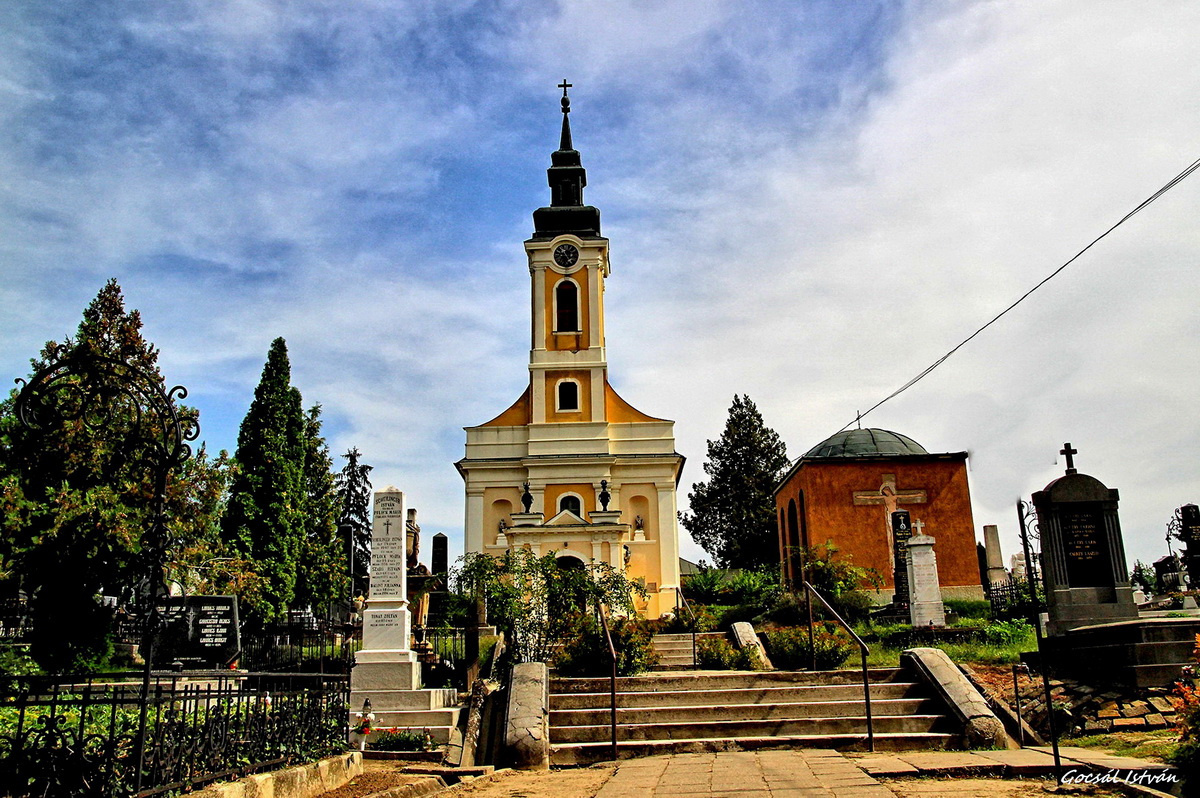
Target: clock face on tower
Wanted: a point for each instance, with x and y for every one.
(566, 255)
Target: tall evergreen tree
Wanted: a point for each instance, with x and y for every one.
(733, 514)
(264, 518)
(76, 497)
(322, 578)
(354, 518)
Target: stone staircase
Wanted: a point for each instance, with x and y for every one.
(675, 650)
(732, 710)
(434, 710)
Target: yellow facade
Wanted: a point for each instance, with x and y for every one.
(569, 435)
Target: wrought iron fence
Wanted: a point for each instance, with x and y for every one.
(14, 624)
(61, 736)
(323, 648)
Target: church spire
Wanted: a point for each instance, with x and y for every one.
(564, 142)
(566, 177)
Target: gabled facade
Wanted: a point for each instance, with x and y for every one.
(572, 467)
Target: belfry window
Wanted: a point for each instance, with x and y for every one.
(566, 307)
(570, 503)
(568, 395)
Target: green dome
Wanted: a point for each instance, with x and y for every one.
(866, 443)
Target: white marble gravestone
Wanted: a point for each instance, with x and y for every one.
(386, 661)
(925, 606)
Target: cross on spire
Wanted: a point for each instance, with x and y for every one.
(564, 86)
(1069, 452)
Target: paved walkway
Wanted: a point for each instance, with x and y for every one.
(743, 774)
(829, 774)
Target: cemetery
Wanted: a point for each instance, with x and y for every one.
(293, 632)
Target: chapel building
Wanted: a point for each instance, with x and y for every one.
(844, 490)
(571, 467)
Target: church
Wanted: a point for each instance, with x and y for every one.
(571, 467)
(845, 489)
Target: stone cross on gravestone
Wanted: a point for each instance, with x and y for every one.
(1070, 454)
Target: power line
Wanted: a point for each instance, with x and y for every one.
(929, 369)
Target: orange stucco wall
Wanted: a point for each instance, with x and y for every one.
(824, 495)
(586, 493)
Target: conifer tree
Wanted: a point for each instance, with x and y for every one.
(354, 518)
(76, 498)
(264, 518)
(733, 514)
(322, 578)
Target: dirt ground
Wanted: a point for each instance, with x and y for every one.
(992, 788)
(570, 783)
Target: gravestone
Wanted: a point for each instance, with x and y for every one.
(901, 532)
(386, 661)
(995, 559)
(200, 631)
(441, 554)
(925, 606)
(1189, 533)
(1083, 553)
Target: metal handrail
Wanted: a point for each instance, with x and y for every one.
(865, 652)
(612, 684)
(687, 606)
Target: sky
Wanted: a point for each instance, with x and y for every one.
(807, 202)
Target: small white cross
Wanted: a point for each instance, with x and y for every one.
(919, 526)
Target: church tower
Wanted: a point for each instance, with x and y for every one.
(571, 467)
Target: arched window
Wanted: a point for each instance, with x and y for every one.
(568, 395)
(566, 307)
(571, 503)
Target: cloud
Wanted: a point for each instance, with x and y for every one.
(808, 203)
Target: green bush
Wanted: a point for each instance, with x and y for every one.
(706, 587)
(789, 648)
(15, 661)
(401, 740)
(716, 653)
(585, 653)
(1005, 633)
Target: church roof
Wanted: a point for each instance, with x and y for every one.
(866, 443)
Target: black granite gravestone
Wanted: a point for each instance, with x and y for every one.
(901, 532)
(199, 631)
(441, 554)
(1083, 554)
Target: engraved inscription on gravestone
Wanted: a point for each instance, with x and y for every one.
(901, 532)
(388, 556)
(1083, 542)
(198, 630)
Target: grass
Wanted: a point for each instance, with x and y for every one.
(971, 653)
(1152, 745)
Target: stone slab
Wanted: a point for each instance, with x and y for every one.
(886, 766)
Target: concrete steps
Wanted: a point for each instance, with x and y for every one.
(433, 710)
(728, 710)
(675, 650)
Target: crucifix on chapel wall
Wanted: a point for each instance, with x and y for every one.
(891, 498)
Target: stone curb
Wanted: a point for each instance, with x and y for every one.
(981, 727)
(495, 775)
(301, 781)
(429, 785)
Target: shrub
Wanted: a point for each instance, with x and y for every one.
(1187, 703)
(716, 653)
(789, 648)
(706, 587)
(401, 740)
(1005, 633)
(585, 653)
(753, 587)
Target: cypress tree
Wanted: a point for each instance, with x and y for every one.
(264, 518)
(322, 578)
(733, 514)
(354, 517)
